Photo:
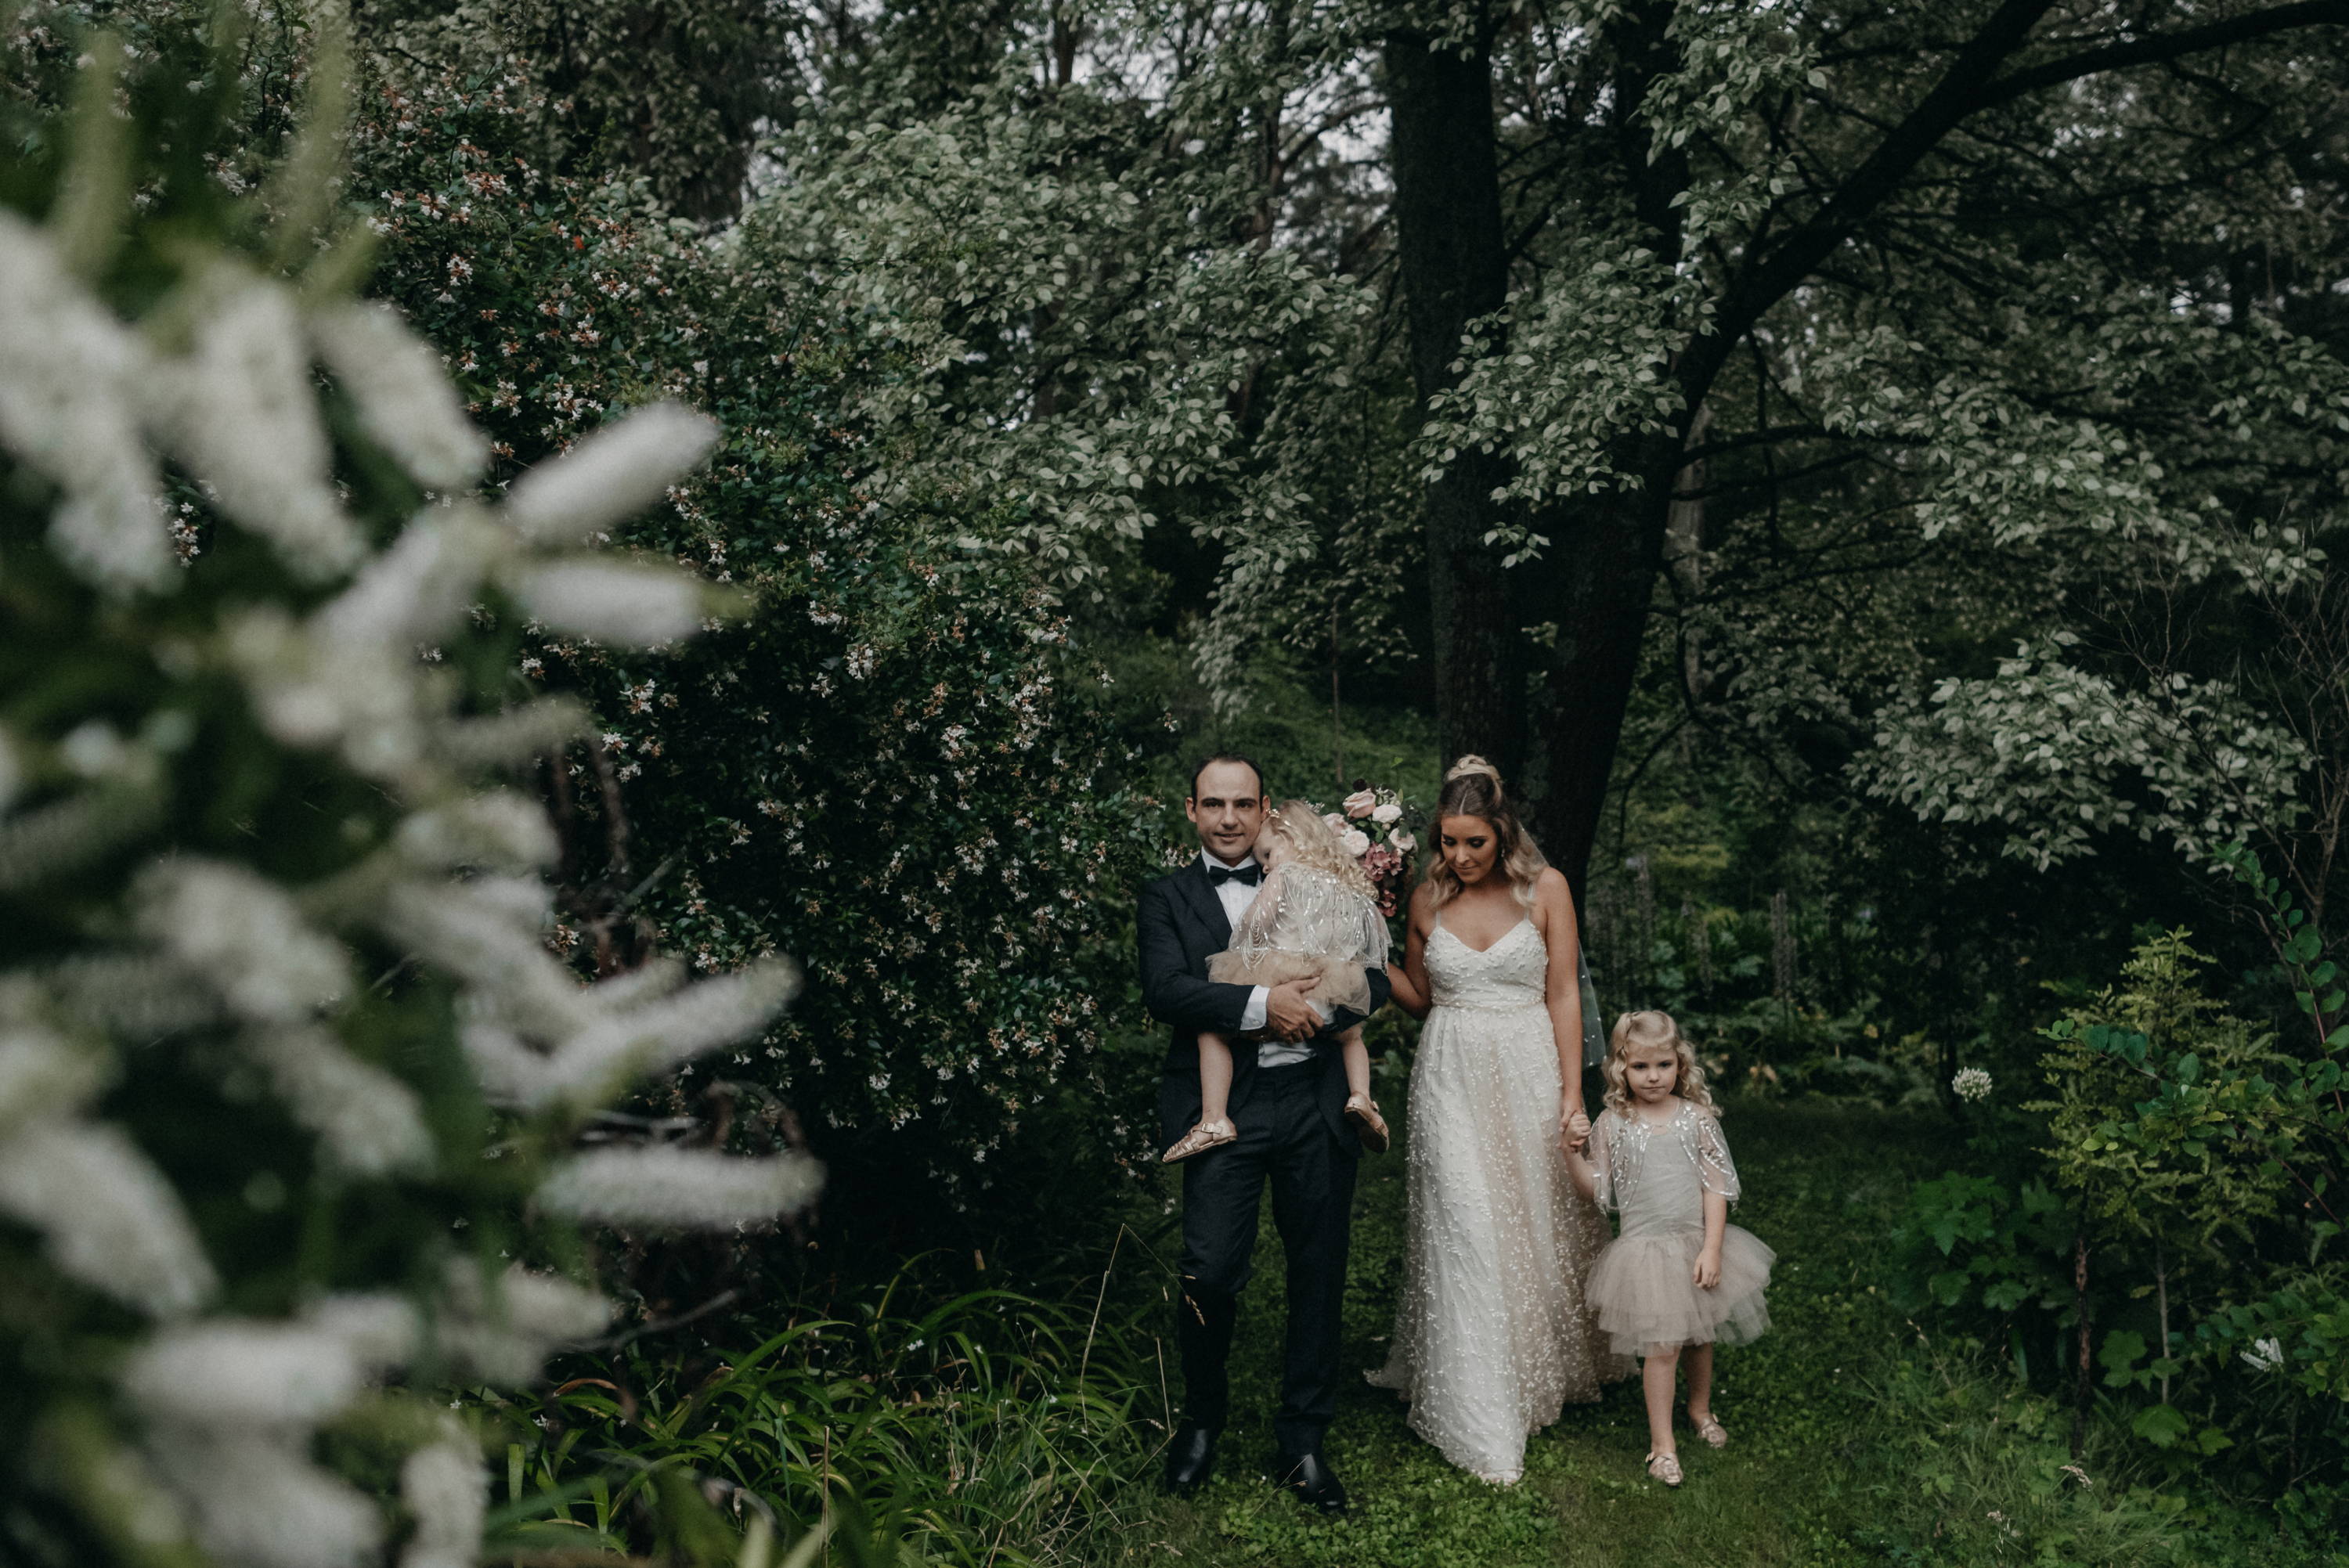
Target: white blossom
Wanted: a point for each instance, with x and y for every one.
(664, 1034)
(106, 1215)
(1355, 842)
(405, 403)
(419, 587)
(242, 935)
(2264, 1356)
(504, 1336)
(368, 1122)
(679, 1189)
(313, 692)
(239, 411)
(446, 1493)
(69, 380)
(261, 1503)
(495, 827)
(612, 601)
(40, 1073)
(1386, 813)
(237, 1372)
(609, 477)
(1971, 1084)
(478, 940)
(381, 1329)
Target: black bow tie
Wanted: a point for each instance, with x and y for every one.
(1250, 874)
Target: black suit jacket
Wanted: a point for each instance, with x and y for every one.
(1180, 925)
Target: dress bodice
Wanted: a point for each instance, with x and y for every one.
(1513, 972)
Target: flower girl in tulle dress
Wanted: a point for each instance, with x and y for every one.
(1316, 916)
(1679, 1278)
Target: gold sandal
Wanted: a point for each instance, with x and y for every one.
(1369, 1125)
(1712, 1432)
(1199, 1139)
(1665, 1468)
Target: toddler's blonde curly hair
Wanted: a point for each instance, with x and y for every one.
(1313, 842)
(1633, 1030)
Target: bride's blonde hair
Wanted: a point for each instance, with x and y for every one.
(1313, 842)
(1633, 1030)
(1471, 788)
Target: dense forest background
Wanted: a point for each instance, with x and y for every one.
(1872, 477)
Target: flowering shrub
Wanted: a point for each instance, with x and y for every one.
(889, 767)
(289, 1080)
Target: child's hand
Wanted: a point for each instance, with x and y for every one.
(1707, 1268)
(1578, 1131)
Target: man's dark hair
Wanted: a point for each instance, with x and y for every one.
(1210, 760)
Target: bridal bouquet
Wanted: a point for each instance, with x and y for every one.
(1370, 823)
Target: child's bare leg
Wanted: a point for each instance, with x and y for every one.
(1698, 1359)
(1358, 1062)
(1656, 1382)
(1361, 1109)
(1214, 1078)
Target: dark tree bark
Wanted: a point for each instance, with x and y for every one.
(1453, 257)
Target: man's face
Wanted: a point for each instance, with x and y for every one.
(1226, 805)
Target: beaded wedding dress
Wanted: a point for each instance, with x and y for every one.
(1492, 1334)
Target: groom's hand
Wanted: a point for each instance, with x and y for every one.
(1289, 1014)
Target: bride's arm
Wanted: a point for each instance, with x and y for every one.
(1562, 990)
(1409, 979)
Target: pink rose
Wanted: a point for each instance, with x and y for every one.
(1357, 842)
(1360, 803)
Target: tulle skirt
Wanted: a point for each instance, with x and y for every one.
(1644, 1290)
(1343, 983)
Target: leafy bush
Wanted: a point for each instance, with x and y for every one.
(888, 767)
(2175, 1189)
(985, 1427)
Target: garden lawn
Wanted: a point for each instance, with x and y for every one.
(1822, 1185)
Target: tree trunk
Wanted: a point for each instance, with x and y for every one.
(1597, 578)
(1454, 267)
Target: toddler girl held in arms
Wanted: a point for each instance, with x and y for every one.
(1315, 918)
(1679, 1278)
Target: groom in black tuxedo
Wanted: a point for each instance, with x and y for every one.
(1287, 1102)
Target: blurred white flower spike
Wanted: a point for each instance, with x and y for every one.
(224, 963)
(610, 476)
(69, 378)
(404, 398)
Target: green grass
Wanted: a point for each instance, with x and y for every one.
(1823, 1184)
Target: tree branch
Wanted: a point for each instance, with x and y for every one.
(2156, 47)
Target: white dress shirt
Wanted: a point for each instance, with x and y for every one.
(1235, 897)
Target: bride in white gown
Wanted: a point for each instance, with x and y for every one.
(1492, 1336)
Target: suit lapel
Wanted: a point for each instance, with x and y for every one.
(1206, 907)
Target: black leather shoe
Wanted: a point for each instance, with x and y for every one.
(1310, 1481)
(1190, 1459)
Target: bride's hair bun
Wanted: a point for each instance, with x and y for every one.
(1471, 763)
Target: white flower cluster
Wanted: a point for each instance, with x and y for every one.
(1971, 1084)
(227, 1406)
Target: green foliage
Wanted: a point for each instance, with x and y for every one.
(985, 1427)
(890, 766)
(2166, 1122)
(1972, 1241)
